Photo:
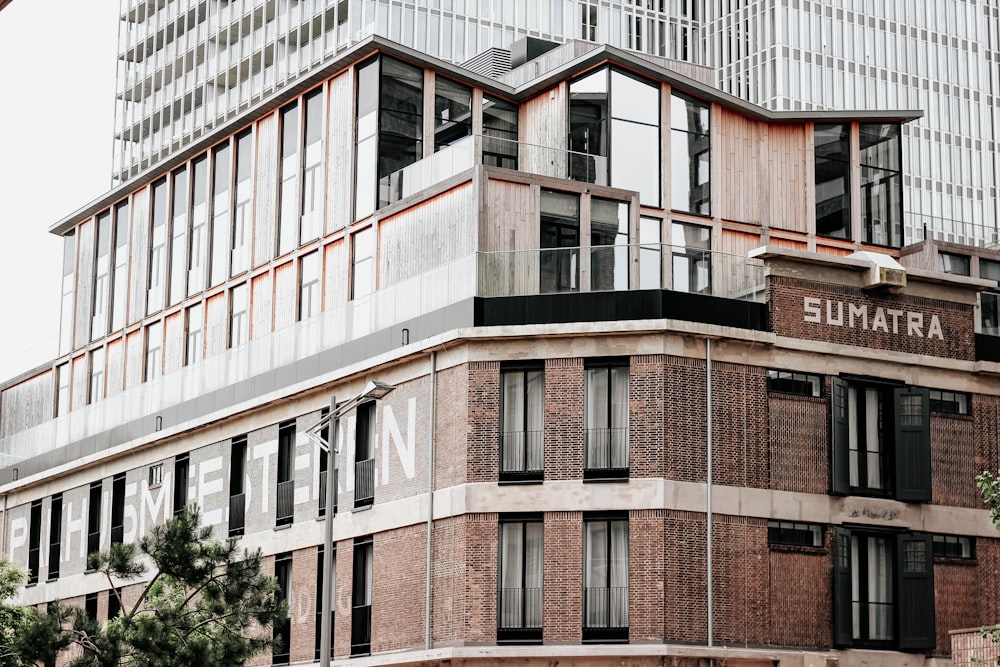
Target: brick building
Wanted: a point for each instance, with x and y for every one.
(666, 389)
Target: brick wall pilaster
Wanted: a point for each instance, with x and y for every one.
(564, 419)
(562, 603)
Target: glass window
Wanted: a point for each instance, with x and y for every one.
(361, 597)
(954, 546)
(55, 535)
(990, 301)
(560, 240)
(320, 565)
(956, 264)
(222, 175)
(588, 131)
(194, 347)
(154, 351)
(243, 208)
(833, 180)
(285, 482)
(102, 277)
(522, 413)
(794, 534)
(178, 241)
(605, 578)
(635, 137)
(363, 247)
(881, 184)
(499, 133)
(606, 416)
(691, 258)
(609, 265)
(366, 151)
(311, 226)
(198, 244)
(309, 293)
(119, 288)
(34, 540)
(364, 455)
(239, 319)
(519, 612)
(650, 257)
(68, 292)
(62, 389)
(690, 163)
(282, 631)
(452, 112)
(157, 275)
(400, 132)
(97, 370)
(949, 402)
(288, 214)
(789, 382)
(872, 583)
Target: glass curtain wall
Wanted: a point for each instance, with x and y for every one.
(635, 137)
(311, 222)
(609, 265)
(690, 163)
(452, 112)
(588, 128)
(691, 256)
(881, 184)
(559, 269)
(499, 133)
(833, 180)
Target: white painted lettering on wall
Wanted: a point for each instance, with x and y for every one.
(131, 528)
(77, 527)
(856, 316)
(207, 487)
(405, 450)
(18, 534)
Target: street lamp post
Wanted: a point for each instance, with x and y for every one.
(373, 390)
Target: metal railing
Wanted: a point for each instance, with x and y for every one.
(364, 482)
(519, 609)
(237, 514)
(286, 502)
(605, 449)
(522, 452)
(605, 607)
(920, 226)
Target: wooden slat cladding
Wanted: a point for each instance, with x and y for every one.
(260, 306)
(339, 152)
(542, 123)
(788, 176)
(173, 343)
(510, 220)
(27, 403)
(335, 275)
(84, 282)
(426, 236)
(740, 194)
(266, 187)
(139, 255)
(285, 298)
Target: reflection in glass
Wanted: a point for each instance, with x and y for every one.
(635, 137)
(499, 133)
(690, 155)
(990, 301)
(691, 258)
(157, 273)
(367, 139)
(833, 180)
(198, 243)
(288, 213)
(452, 112)
(243, 210)
(609, 228)
(239, 317)
(312, 169)
(881, 184)
(588, 113)
(102, 277)
(400, 131)
(219, 270)
(178, 241)
(364, 263)
(119, 282)
(650, 261)
(309, 304)
(560, 231)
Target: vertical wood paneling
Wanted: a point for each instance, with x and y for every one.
(425, 236)
(216, 324)
(266, 190)
(739, 190)
(340, 152)
(541, 128)
(260, 306)
(511, 220)
(84, 282)
(134, 353)
(27, 403)
(738, 243)
(139, 255)
(173, 342)
(335, 274)
(113, 381)
(285, 281)
(788, 243)
(428, 112)
(789, 176)
(80, 381)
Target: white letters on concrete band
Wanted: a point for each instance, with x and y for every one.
(855, 316)
(405, 450)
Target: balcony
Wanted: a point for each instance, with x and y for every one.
(605, 453)
(605, 613)
(521, 456)
(364, 483)
(286, 503)
(519, 615)
(237, 514)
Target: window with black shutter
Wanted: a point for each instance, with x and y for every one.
(881, 440)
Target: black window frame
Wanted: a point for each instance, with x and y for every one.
(524, 631)
(237, 482)
(597, 631)
(963, 265)
(361, 604)
(700, 203)
(34, 541)
(94, 502)
(510, 471)
(904, 450)
(882, 170)
(182, 467)
(324, 467)
(950, 546)
(950, 402)
(364, 455)
(284, 512)
(118, 509)
(620, 445)
(833, 165)
(282, 630)
(797, 534)
(55, 536)
(794, 383)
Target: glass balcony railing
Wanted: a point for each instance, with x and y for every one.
(496, 151)
(492, 274)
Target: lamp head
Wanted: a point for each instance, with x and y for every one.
(375, 390)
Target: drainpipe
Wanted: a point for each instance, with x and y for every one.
(430, 503)
(708, 486)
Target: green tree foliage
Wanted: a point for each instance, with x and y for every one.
(205, 603)
(989, 486)
(26, 637)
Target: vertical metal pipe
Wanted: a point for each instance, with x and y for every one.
(326, 623)
(708, 486)
(430, 502)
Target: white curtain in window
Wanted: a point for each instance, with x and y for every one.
(513, 421)
(534, 419)
(852, 436)
(618, 575)
(595, 574)
(873, 413)
(879, 589)
(511, 574)
(533, 574)
(619, 417)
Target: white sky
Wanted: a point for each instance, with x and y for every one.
(57, 83)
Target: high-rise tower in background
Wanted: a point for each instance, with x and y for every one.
(187, 65)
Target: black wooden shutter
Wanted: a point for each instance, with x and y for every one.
(843, 629)
(916, 591)
(913, 444)
(839, 463)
